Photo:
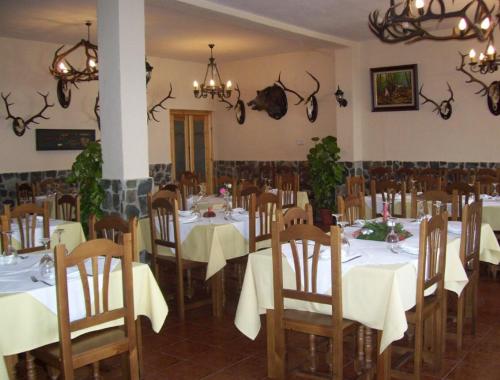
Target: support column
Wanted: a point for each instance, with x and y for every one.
(122, 88)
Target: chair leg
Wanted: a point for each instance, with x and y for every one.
(189, 287)
(10, 363)
(439, 336)
(180, 294)
(337, 356)
(312, 353)
(138, 329)
(280, 353)
(417, 360)
(474, 297)
(460, 321)
(95, 371)
(30, 366)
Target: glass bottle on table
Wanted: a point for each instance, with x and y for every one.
(392, 238)
(9, 255)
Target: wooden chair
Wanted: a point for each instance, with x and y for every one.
(432, 308)
(26, 216)
(427, 182)
(289, 186)
(380, 173)
(169, 186)
(69, 354)
(246, 172)
(262, 208)
(188, 187)
(48, 186)
(4, 227)
(222, 180)
(464, 192)
(68, 207)
(388, 189)
(25, 193)
(351, 207)
(267, 174)
(469, 255)
(438, 201)
(434, 172)
(189, 176)
(241, 197)
(165, 237)
(404, 175)
(332, 326)
(355, 185)
(295, 215)
(486, 184)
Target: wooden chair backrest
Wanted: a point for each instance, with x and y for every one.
(404, 174)
(267, 174)
(295, 215)
(306, 279)
(48, 185)
(25, 193)
(355, 185)
(289, 186)
(241, 197)
(380, 172)
(25, 216)
(470, 239)
(4, 228)
(432, 256)
(433, 172)
(458, 175)
(163, 210)
(246, 172)
(97, 302)
(113, 227)
(169, 186)
(351, 207)
(388, 189)
(264, 207)
(486, 184)
(224, 179)
(464, 192)
(486, 172)
(187, 175)
(434, 197)
(68, 207)
(188, 187)
(427, 183)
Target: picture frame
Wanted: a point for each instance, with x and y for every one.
(394, 88)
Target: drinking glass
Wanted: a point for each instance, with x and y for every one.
(495, 192)
(337, 218)
(344, 241)
(9, 256)
(47, 271)
(420, 211)
(392, 238)
(59, 232)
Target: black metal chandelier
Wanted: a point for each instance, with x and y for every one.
(215, 86)
(414, 20)
(487, 62)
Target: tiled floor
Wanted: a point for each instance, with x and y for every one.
(207, 348)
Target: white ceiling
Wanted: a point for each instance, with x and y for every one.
(181, 29)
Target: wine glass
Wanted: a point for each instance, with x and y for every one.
(344, 241)
(45, 242)
(420, 211)
(9, 256)
(47, 267)
(494, 194)
(337, 218)
(392, 238)
(59, 232)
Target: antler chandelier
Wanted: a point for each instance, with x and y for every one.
(215, 86)
(412, 20)
(487, 62)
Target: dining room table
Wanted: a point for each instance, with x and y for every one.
(29, 307)
(378, 285)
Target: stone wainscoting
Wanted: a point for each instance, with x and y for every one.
(126, 197)
(159, 172)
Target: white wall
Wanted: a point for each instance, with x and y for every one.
(24, 70)
(261, 137)
(471, 134)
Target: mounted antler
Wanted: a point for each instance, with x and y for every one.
(228, 105)
(312, 102)
(19, 125)
(444, 109)
(96, 111)
(301, 99)
(152, 110)
(407, 26)
(483, 91)
(317, 86)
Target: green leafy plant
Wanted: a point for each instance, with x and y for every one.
(86, 172)
(380, 230)
(325, 171)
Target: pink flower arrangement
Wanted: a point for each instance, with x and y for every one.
(222, 191)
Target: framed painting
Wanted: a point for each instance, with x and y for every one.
(394, 88)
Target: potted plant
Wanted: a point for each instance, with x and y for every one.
(326, 174)
(86, 173)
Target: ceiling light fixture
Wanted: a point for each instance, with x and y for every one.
(215, 86)
(487, 62)
(412, 20)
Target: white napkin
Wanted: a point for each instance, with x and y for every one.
(185, 213)
(455, 227)
(239, 216)
(240, 210)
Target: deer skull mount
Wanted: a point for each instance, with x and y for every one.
(19, 125)
(443, 109)
(96, 111)
(239, 107)
(273, 100)
(312, 102)
(492, 91)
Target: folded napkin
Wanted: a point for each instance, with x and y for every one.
(455, 227)
(239, 216)
(185, 213)
(239, 209)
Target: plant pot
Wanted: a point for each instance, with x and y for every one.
(325, 216)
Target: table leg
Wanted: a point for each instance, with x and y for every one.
(30, 366)
(10, 364)
(217, 294)
(383, 360)
(271, 365)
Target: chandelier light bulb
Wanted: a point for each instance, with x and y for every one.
(63, 67)
(419, 4)
(482, 57)
(490, 51)
(485, 24)
(462, 25)
(472, 54)
(228, 85)
(211, 83)
(196, 85)
(92, 63)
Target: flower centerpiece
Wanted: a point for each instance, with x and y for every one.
(378, 231)
(225, 192)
